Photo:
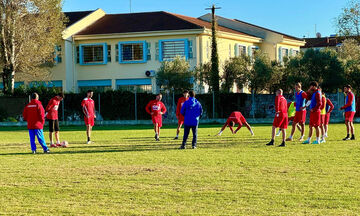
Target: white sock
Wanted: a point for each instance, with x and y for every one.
(51, 143)
(309, 139)
(220, 132)
(177, 135)
(290, 137)
(318, 139)
(57, 142)
(252, 132)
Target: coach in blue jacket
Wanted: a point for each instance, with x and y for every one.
(191, 110)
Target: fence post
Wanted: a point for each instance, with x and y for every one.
(135, 105)
(99, 104)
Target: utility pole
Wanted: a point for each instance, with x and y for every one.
(130, 6)
(215, 73)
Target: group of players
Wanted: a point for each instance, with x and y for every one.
(320, 110)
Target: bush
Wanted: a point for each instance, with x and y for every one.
(3, 114)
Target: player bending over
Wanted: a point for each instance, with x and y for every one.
(236, 118)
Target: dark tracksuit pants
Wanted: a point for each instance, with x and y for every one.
(187, 132)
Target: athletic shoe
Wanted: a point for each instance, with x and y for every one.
(282, 144)
(47, 151)
(271, 143)
(58, 145)
(289, 139)
(88, 142)
(346, 138)
(182, 147)
(325, 136)
(323, 141)
(176, 138)
(157, 139)
(315, 142)
(53, 146)
(33, 152)
(306, 142)
(194, 147)
(353, 137)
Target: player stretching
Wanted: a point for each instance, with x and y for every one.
(281, 118)
(350, 110)
(315, 114)
(88, 107)
(52, 116)
(236, 118)
(300, 115)
(178, 114)
(156, 109)
(329, 109)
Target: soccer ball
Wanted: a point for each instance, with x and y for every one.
(64, 144)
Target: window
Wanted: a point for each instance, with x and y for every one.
(285, 52)
(58, 54)
(157, 51)
(295, 52)
(77, 55)
(148, 46)
(242, 50)
(93, 54)
(117, 52)
(137, 88)
(253, 50)
(191, 54)
(109, 53)
(133, 52)
(95, 85)
(169, 49)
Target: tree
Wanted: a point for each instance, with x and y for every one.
(175, 75)
(215, 77)
(236, 70)
(261, 73)
(29, 30)
(349, 55)
(348, 22)
(202, 74)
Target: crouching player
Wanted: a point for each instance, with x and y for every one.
(236, 118)
(34, 114)
(156, 109)
(281, 118)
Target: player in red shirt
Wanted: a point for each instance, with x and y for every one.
(178, 114)
(350, 110)
(281, 118)
(156, 109)
(236, 118)
(52, 116)
(315, 112)
(88, 107)
(34, 114)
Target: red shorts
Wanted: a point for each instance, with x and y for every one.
(242, 119)
(300, 117)
(349, 116)
(322, 118)
(181, 120)
(157, 120)
(281, 121)
(327, 119)
(315, 119)
(89, 121)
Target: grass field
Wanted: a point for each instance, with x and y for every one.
(125, 172)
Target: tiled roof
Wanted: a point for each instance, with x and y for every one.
(148, 21)
(322, 42)
(73, 17)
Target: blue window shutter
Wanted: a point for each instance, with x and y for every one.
(191, 54)
(236, 50)
(157, 51)
(280, 54)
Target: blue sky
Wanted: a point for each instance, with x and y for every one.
(294, 17)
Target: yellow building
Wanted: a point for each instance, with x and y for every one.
(122, 51)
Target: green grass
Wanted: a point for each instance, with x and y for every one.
(126, 172)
